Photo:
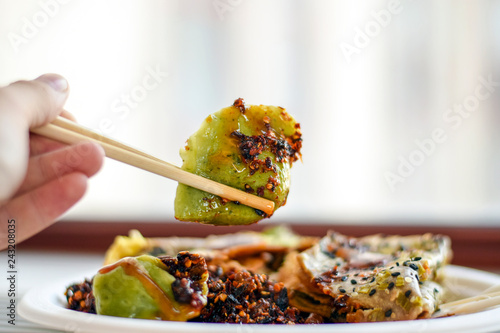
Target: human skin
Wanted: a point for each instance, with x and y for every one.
(40, 179)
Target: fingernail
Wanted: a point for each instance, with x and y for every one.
(57, 82)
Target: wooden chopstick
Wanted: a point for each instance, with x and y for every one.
(74, 127)
(69, 132)
(469, 305)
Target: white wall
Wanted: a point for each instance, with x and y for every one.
(359, 112)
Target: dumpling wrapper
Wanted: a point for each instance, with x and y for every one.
(140, 287)
(249, 148)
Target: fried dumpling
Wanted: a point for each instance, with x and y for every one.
(147, 287)
(372, 278)
(250, 148)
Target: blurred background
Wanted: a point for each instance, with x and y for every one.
(396, 99)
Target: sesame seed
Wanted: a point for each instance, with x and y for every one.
(391, 285)
(372, 280)
(408, 293)
(408, 279)
(417, 258)
(397, 264)
(354, 281)
(396, 274)
(344, 278)
(342, 290)
(354, 294)
(372, 292)
(388, 313)
(413, 266)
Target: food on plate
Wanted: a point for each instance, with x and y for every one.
(372, 278)
(240, 296)
(244, 246)
(148, 287)
(274, 276)
(251, 148)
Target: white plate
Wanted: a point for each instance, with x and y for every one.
(46, 306)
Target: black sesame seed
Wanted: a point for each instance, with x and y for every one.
(436, 291)
(405, 263)
(417, 258)
(408, 293)
(397, 264)
(413, 266)
(391, 285)
(388, 313)
(396, 274)
(342, 290)
(330, 254)
(344, 278)
(357, 274)
(372, 292)
(260, 212)
(353, 289)
(372, 280)
(354, 281)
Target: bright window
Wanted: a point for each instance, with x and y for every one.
(397, 100)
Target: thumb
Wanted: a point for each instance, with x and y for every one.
(37, 102)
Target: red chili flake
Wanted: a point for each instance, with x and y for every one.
(240, 104)
(260, 191)
(189, 269)
(80, 297)
(244, 297)
(272, 183)
(249, 189)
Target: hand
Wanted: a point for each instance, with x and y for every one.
(40, 179)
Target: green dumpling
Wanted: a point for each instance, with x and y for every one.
(142, 287)
(249, 148)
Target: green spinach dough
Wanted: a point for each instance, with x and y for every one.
(250, 148)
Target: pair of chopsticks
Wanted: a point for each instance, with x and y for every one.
(68, 132)
(489, 298)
